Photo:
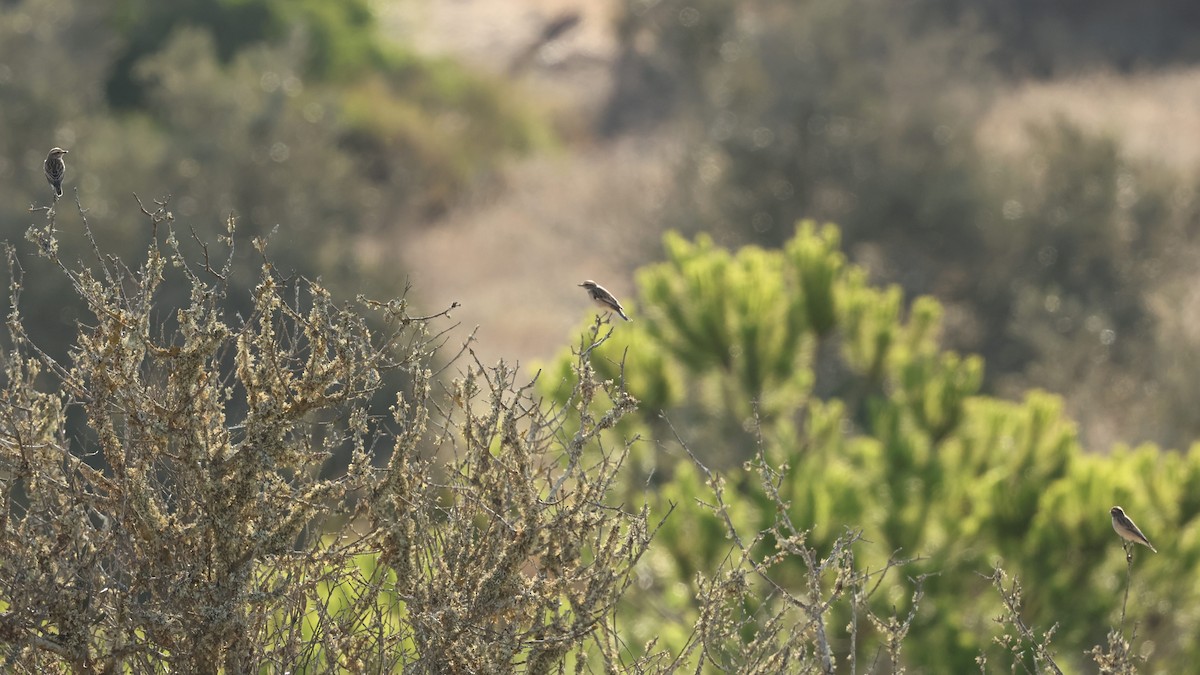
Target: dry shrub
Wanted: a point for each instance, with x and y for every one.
(199, 492)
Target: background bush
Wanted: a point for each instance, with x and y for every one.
(1061, 263)
(283, 121)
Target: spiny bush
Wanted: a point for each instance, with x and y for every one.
(196, 491)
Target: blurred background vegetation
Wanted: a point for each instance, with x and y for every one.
(983, 154)
(295, 117)
(1065, 262)
(1061, 252)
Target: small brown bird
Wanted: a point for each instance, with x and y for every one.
(603, 298)
(56, 169)
(1128, 530)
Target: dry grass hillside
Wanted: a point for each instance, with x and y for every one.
(1153, 116)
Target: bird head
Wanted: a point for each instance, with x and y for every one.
(58, 152)
(1117, 511)
(589, 284)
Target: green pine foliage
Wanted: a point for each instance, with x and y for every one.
(821, 400)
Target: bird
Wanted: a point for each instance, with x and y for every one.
(1128, 530)
(55, 169)
(603, 298)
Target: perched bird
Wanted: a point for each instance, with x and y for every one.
(1129, 531)
(603, 298)
(55, 169)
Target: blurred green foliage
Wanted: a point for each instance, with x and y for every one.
(787, 368)
(341, 36)
(293, 117)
